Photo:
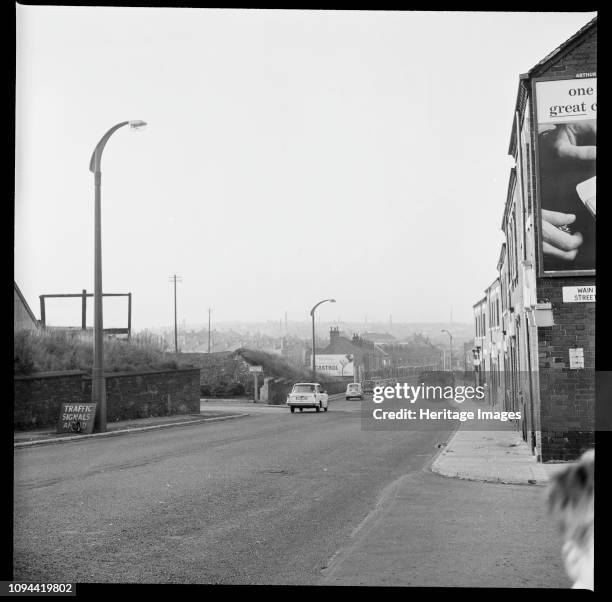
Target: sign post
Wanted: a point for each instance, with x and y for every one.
(255, 370)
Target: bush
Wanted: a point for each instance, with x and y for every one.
(219, 390)
(236, 390)
(23, 356)
(55, 350)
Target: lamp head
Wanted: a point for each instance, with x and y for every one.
(137, 124)
(332, 300)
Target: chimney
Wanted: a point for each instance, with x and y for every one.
(334, 335)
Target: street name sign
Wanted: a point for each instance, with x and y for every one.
(579, 294)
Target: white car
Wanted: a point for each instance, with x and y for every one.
(354, 390)
(307, 395)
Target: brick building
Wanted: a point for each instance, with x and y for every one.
(414, 355)
(535, 326)
(368, 358)
(23, 316)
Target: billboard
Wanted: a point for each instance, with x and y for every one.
(335, 365)
(566, 118)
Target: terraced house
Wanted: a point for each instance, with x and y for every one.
(535, 326)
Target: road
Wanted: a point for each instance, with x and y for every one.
(267, 499)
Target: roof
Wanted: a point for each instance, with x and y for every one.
(377, 336)
(538, 68)
(571, 41)
(502, 256)
(25, 304)
(344, 345)
(495, 282)
(480, 302)
(509, 195)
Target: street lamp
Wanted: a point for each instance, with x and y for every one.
(312, 313)
(98, 392)
(451, 348)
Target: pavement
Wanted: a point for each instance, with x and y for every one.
(491, 451)
(487, 465)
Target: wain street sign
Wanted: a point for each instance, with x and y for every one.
(578, 294)
(77, 418)
(255, 369)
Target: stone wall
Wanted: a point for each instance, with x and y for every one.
(38, 397)
(129, 395)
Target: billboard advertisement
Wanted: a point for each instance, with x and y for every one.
(566, 118)
(335, 364)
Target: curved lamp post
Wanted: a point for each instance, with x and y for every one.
(450, 357)
(98, 392)
(312, 314)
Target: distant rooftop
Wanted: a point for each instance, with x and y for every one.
(377, 336)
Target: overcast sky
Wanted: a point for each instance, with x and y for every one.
(290, 156)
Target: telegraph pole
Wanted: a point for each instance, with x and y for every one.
(209, 330)
(174, 278)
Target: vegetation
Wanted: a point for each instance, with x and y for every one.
(49, 350)
(223, 389)
(273, 365)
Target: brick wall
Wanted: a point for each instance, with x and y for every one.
(567, 397)
(38, 397)
(582, 58)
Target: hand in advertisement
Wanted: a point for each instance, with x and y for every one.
(557, 240)
(575, 141)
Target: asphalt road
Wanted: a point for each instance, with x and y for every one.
(263, 499)
(273, 498)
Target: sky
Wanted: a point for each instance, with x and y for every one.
(289, 157)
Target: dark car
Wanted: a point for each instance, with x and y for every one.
(368, 386)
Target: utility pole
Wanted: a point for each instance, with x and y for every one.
(174, 278)
(209, 330)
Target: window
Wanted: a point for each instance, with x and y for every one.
(515, 245)
(511, 248)
(303, 389)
